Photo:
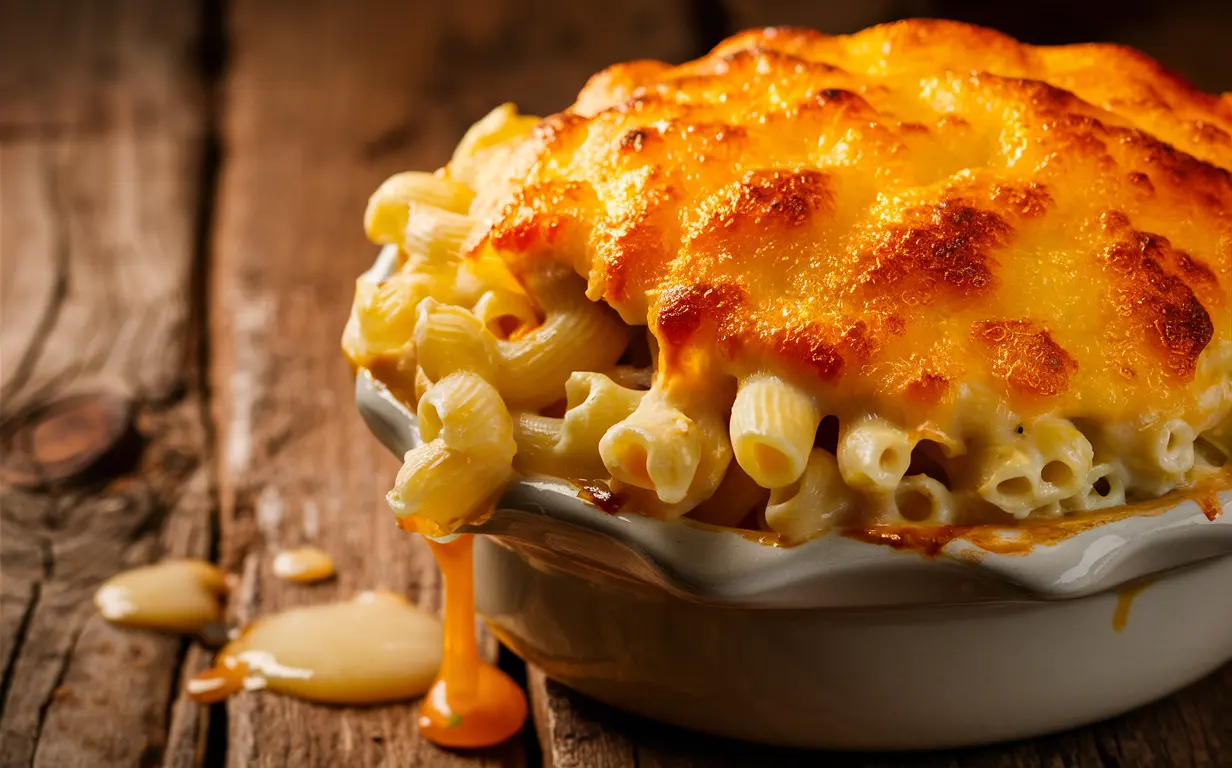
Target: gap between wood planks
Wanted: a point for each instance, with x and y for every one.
(209, 740)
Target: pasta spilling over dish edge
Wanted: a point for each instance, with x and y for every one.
(922, 273)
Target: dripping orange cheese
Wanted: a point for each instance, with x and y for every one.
(471, 704)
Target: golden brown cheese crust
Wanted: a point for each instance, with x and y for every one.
(890, 216)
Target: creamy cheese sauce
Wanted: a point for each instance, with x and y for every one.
(303, 565)
(179, 596)
(376, 647)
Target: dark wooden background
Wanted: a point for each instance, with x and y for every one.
(181, 185)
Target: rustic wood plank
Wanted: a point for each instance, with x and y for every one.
(188, 742)
(325, 100)
(1192, 728)
(571, 736)
(100, 142)
(311, 88)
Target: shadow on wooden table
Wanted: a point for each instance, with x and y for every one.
(600, 734)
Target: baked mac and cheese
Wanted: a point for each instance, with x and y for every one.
(920, 273)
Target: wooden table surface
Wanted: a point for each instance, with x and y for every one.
(181, 187)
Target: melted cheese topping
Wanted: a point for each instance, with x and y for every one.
(916, 217)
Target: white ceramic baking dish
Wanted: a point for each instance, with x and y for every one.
(840, 642)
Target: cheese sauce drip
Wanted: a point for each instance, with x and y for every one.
(1125, 600)
(377, 647)
(472, 703)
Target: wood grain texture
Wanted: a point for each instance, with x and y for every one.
(573, 731)
(323, 101)
(308, 86)
(100, 145)
(1192, 728)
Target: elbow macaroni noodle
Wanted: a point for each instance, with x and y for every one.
(484, 354)
(815, 503)
(569, 446)
(873, 455)
(466, 457)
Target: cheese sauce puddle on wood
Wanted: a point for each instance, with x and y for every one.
(303, 565)
(472, 703)
(377, 647)
(179, 596)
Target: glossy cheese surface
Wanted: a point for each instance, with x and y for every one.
(925, 219)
